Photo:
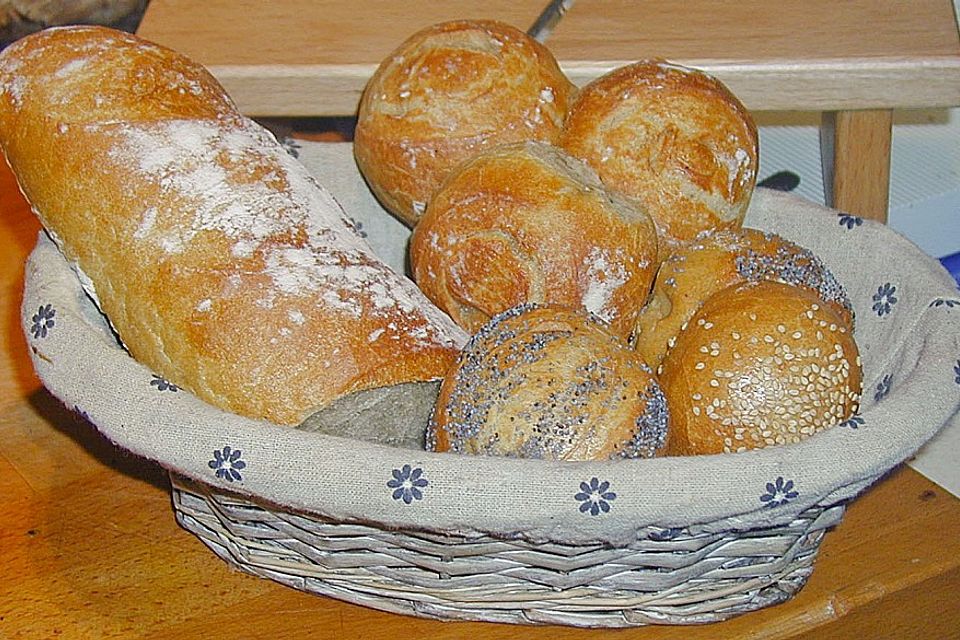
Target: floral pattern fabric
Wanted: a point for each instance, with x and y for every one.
(884, 299)
(227, 464)
(43, 321)
(408, 484)
(595, 497)
(779, 492)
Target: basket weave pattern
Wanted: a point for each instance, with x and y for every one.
(665, 576)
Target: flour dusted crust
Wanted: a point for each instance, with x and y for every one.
(527, 223)
(446, 93)
(218, 259)
(759, 364)
(672, 137)
(717, 259)
(550, 383)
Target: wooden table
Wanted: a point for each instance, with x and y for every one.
(89, 547)
(855, 60)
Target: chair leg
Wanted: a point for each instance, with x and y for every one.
(855, 149)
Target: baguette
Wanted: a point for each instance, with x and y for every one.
(219, 261)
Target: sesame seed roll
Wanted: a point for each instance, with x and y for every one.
(759, 364)
(720, 258)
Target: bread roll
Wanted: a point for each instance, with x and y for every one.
(759, 364)
(220, 262)
(525, 222)
(672, 137)
(717, 259)
(444, 94)
(551, 383)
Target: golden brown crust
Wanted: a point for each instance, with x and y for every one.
(220, 262)
(446, 93)
(759, 364)
(716, 259)
(551, 383)
(672, 137)
(525, 222)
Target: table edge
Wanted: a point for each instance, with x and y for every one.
(768, 85)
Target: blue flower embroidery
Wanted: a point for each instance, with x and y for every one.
(854, 422)
(883, 299)
(227, 463)
(43, 321)
(779, 492)
(407, 484)
(945, 302)
(163, 385)
(849, 221)
(595, 497)
(883, 388)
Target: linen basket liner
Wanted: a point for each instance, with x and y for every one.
(907, 327)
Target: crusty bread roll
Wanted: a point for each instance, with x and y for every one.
(551, 383)
(673, 137)
(526, 222)
(716, 259)
(759, 364)
(447, 92)
(220, 262)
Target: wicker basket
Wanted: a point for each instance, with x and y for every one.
(606, 544)
(662, 577)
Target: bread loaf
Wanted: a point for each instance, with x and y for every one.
(550, 383)
(447, 92)
(527, 223)
(219, 261)
(717, 259)
(759, 364)
(672, 137)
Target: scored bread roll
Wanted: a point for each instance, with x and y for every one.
(716, 259)
(525, 222)
(447, 92)
(759, 364)
(673, 137)
(551, 383)
(220, 262)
